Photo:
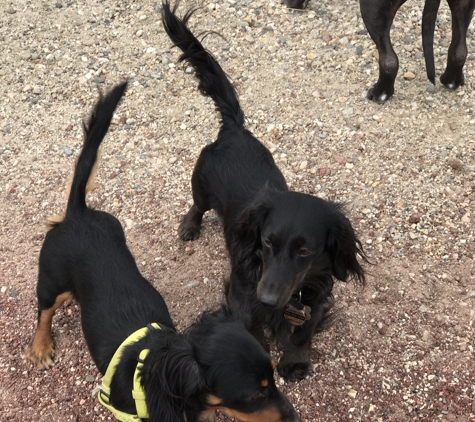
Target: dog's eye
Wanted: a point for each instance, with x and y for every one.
(304, 252)
(268, 243)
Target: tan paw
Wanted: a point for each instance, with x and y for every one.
(41, 357)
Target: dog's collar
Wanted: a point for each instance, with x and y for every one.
(138, 392)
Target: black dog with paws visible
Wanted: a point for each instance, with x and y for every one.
(285, 247)
(215, 364)
(378, 16)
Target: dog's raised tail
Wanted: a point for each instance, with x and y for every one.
(212, 79)
(94, 132)
(429, 16)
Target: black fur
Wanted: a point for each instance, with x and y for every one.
(280, 242)
(215, 364)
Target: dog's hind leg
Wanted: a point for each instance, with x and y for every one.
(462, 12)
(41, 350)
(190, 226)
(378, 16)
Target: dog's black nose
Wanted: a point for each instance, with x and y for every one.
(269, 300)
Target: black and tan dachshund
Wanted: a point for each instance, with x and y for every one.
(215, 364)
(285, 247)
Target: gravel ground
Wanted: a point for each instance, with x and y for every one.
(403, 347)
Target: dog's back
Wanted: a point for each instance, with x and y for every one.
(86, 255)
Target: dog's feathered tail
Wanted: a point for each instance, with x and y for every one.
(429, 16)
(94, 132)
(213, 81)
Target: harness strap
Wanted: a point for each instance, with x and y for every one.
(137, 393)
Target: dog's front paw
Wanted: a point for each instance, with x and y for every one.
(41, 357)
(293, 371)
(188, 231)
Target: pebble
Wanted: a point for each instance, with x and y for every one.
(90, 378)
(303, 165)
(14, 293)
(281, 40)
(359, 50)
(430, 88)
(130, 121)
(139, 33)
(414, 218)
(192, 285)
(249, 38)
(58, 5)
(4, 289)
(409, 76)
(348, 111)
(419, 55)
(10, 10)
(98, 80)
(172, 160)
(456, 164)
(352, 393)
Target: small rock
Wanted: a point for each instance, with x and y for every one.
(139, 33)
(409, 76)
(14, 293)
(37, 90)
(352, 393)
(340, 159)
(426, 337)
(324, 172)
(98, 80)
(58, 5)
(25, 55)
(348, 111)
(128, 223)
(281, 40)
(172, 160)
(303, 165)
(142, 17)
(4, 289)
(90, 378)
(359, 50)
(419, 55)
(465, 218)
(383, 330)
(10, 10)
(349, 165)
(456, 164)
(249, 38)
(451, 417)
(192, 285)
(414, 218)
(130, 121)
(325, 36)
(311, 56)
(423, 309)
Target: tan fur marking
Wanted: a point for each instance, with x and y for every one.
(41, 351)
(54, 220)
(213, 400)
(274, 364)
(268, 415)
(265, 382)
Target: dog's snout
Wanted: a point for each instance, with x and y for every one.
(268, 299)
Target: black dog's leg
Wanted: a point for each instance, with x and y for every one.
(462, 11)
(378, 17)
(295, 363)
(190, 226)
(50, 298)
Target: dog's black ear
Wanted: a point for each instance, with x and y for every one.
(344, 248)
(172, 378)
(243, 238)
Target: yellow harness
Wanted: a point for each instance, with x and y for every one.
(137, 393)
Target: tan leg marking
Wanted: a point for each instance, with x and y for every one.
(268, 415)
(41, 351)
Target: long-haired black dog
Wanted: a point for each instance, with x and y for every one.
(285, 247)
(215, 364)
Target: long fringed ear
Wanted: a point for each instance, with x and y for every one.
(171, 379)
(243, 238)
(344, 248)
